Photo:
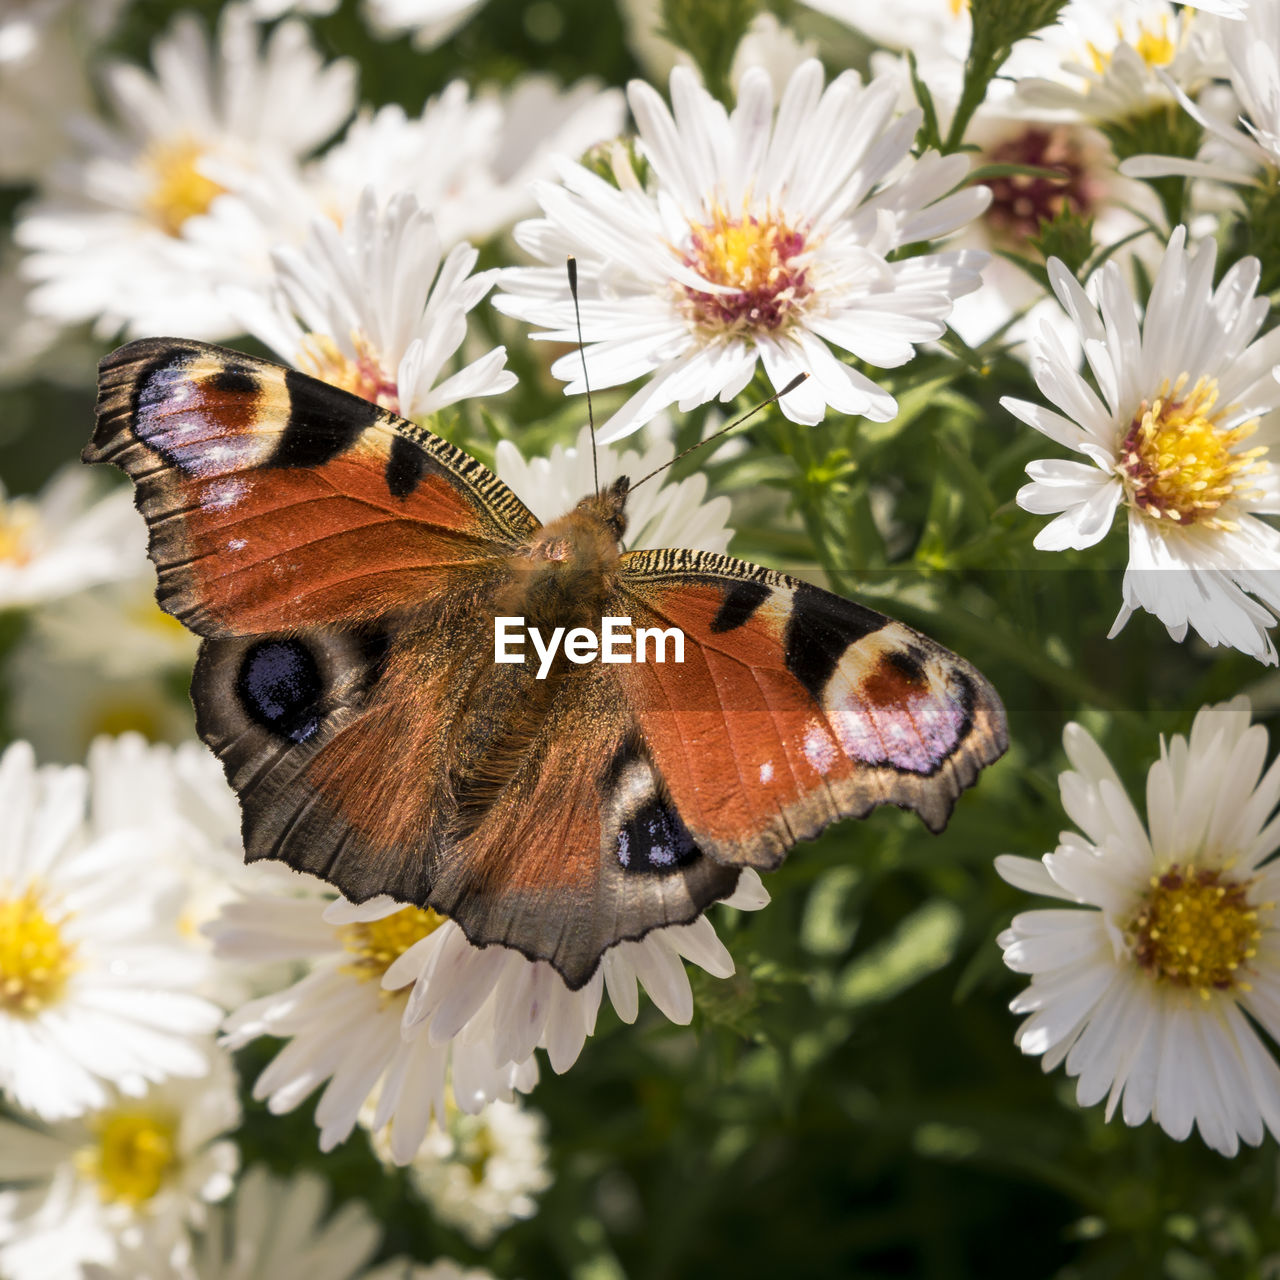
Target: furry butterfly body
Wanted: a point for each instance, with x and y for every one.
(346, 568)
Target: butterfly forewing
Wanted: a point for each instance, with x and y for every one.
(276, 501)
(795, 707)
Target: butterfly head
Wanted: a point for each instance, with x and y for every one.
(608, 507)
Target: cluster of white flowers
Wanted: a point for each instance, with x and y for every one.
(237, 187)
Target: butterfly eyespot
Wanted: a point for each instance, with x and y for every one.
(232, 381)
(654, 839)
(280, 687)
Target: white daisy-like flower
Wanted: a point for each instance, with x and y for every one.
(273, 1230)
(397, 1002)
(374, 309)
(137, 1173)
(97, 988)
(1117, 59)
(43, 80)
(658, 515)
(467, 159)
(70, 537)
(1170, 438)
(107, 243)
(773, 46)
(1252, 50)
(1151, 996)
(117, 628)
(61, 706)
(761, 241)
(478, 1173)
(428, 21)
(180, 796)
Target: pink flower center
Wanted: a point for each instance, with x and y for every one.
(760, 261)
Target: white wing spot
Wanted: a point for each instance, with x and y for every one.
(819, 749)
(766, 771)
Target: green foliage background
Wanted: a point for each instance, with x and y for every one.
(851, 1103)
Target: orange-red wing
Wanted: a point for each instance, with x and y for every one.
(794, 707)
(276, 501)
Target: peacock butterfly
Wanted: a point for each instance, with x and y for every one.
(349, 570)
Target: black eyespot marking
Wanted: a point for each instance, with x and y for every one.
(909, 663)
(821, 627)
(234, 380)
(323, 422)
(740, 602)
(279, 686)
(406, 464)
(654, 839)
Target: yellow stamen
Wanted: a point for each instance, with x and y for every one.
(19, 520)
(760, 258)
(35, 959)
(1178, 463)
(179, 190)
(377, 944)
(364, 376)
(134, 1155)
(1196, 930)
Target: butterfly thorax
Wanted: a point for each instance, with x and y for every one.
(566, 572)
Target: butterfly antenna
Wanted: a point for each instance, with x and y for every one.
(737, 422)
(572, 266)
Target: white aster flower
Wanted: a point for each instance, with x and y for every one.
(1115, 59)
(398, 1002)
(1252, 50)
(96, 986)
(181, 797)
(372, 308)
(469, 159)
(429, 21)
(61, 706)
(118, 628)
(1151, 996)
(773, 46)
(107, 244)
(1169, 438)
(70, 537)
(273, 1230)
(660, 514)
(478, 1173)
(43, 81)
(761, 241)
(137, 1173)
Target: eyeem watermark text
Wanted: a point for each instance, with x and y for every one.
(617, 641)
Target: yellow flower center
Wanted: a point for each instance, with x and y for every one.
(1195, 929)
(958, 7)
(18, 522)
(759, 259)
(364, 376)
(1154, 45)
(35, 959)
(1178, 463)
(178, 190)
(113, 716)
(135, 1153)
(377, 944)
(146, 614)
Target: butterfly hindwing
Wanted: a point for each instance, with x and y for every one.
(276, 501)
(794, 707)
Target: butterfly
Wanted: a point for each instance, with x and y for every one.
(350, 573)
